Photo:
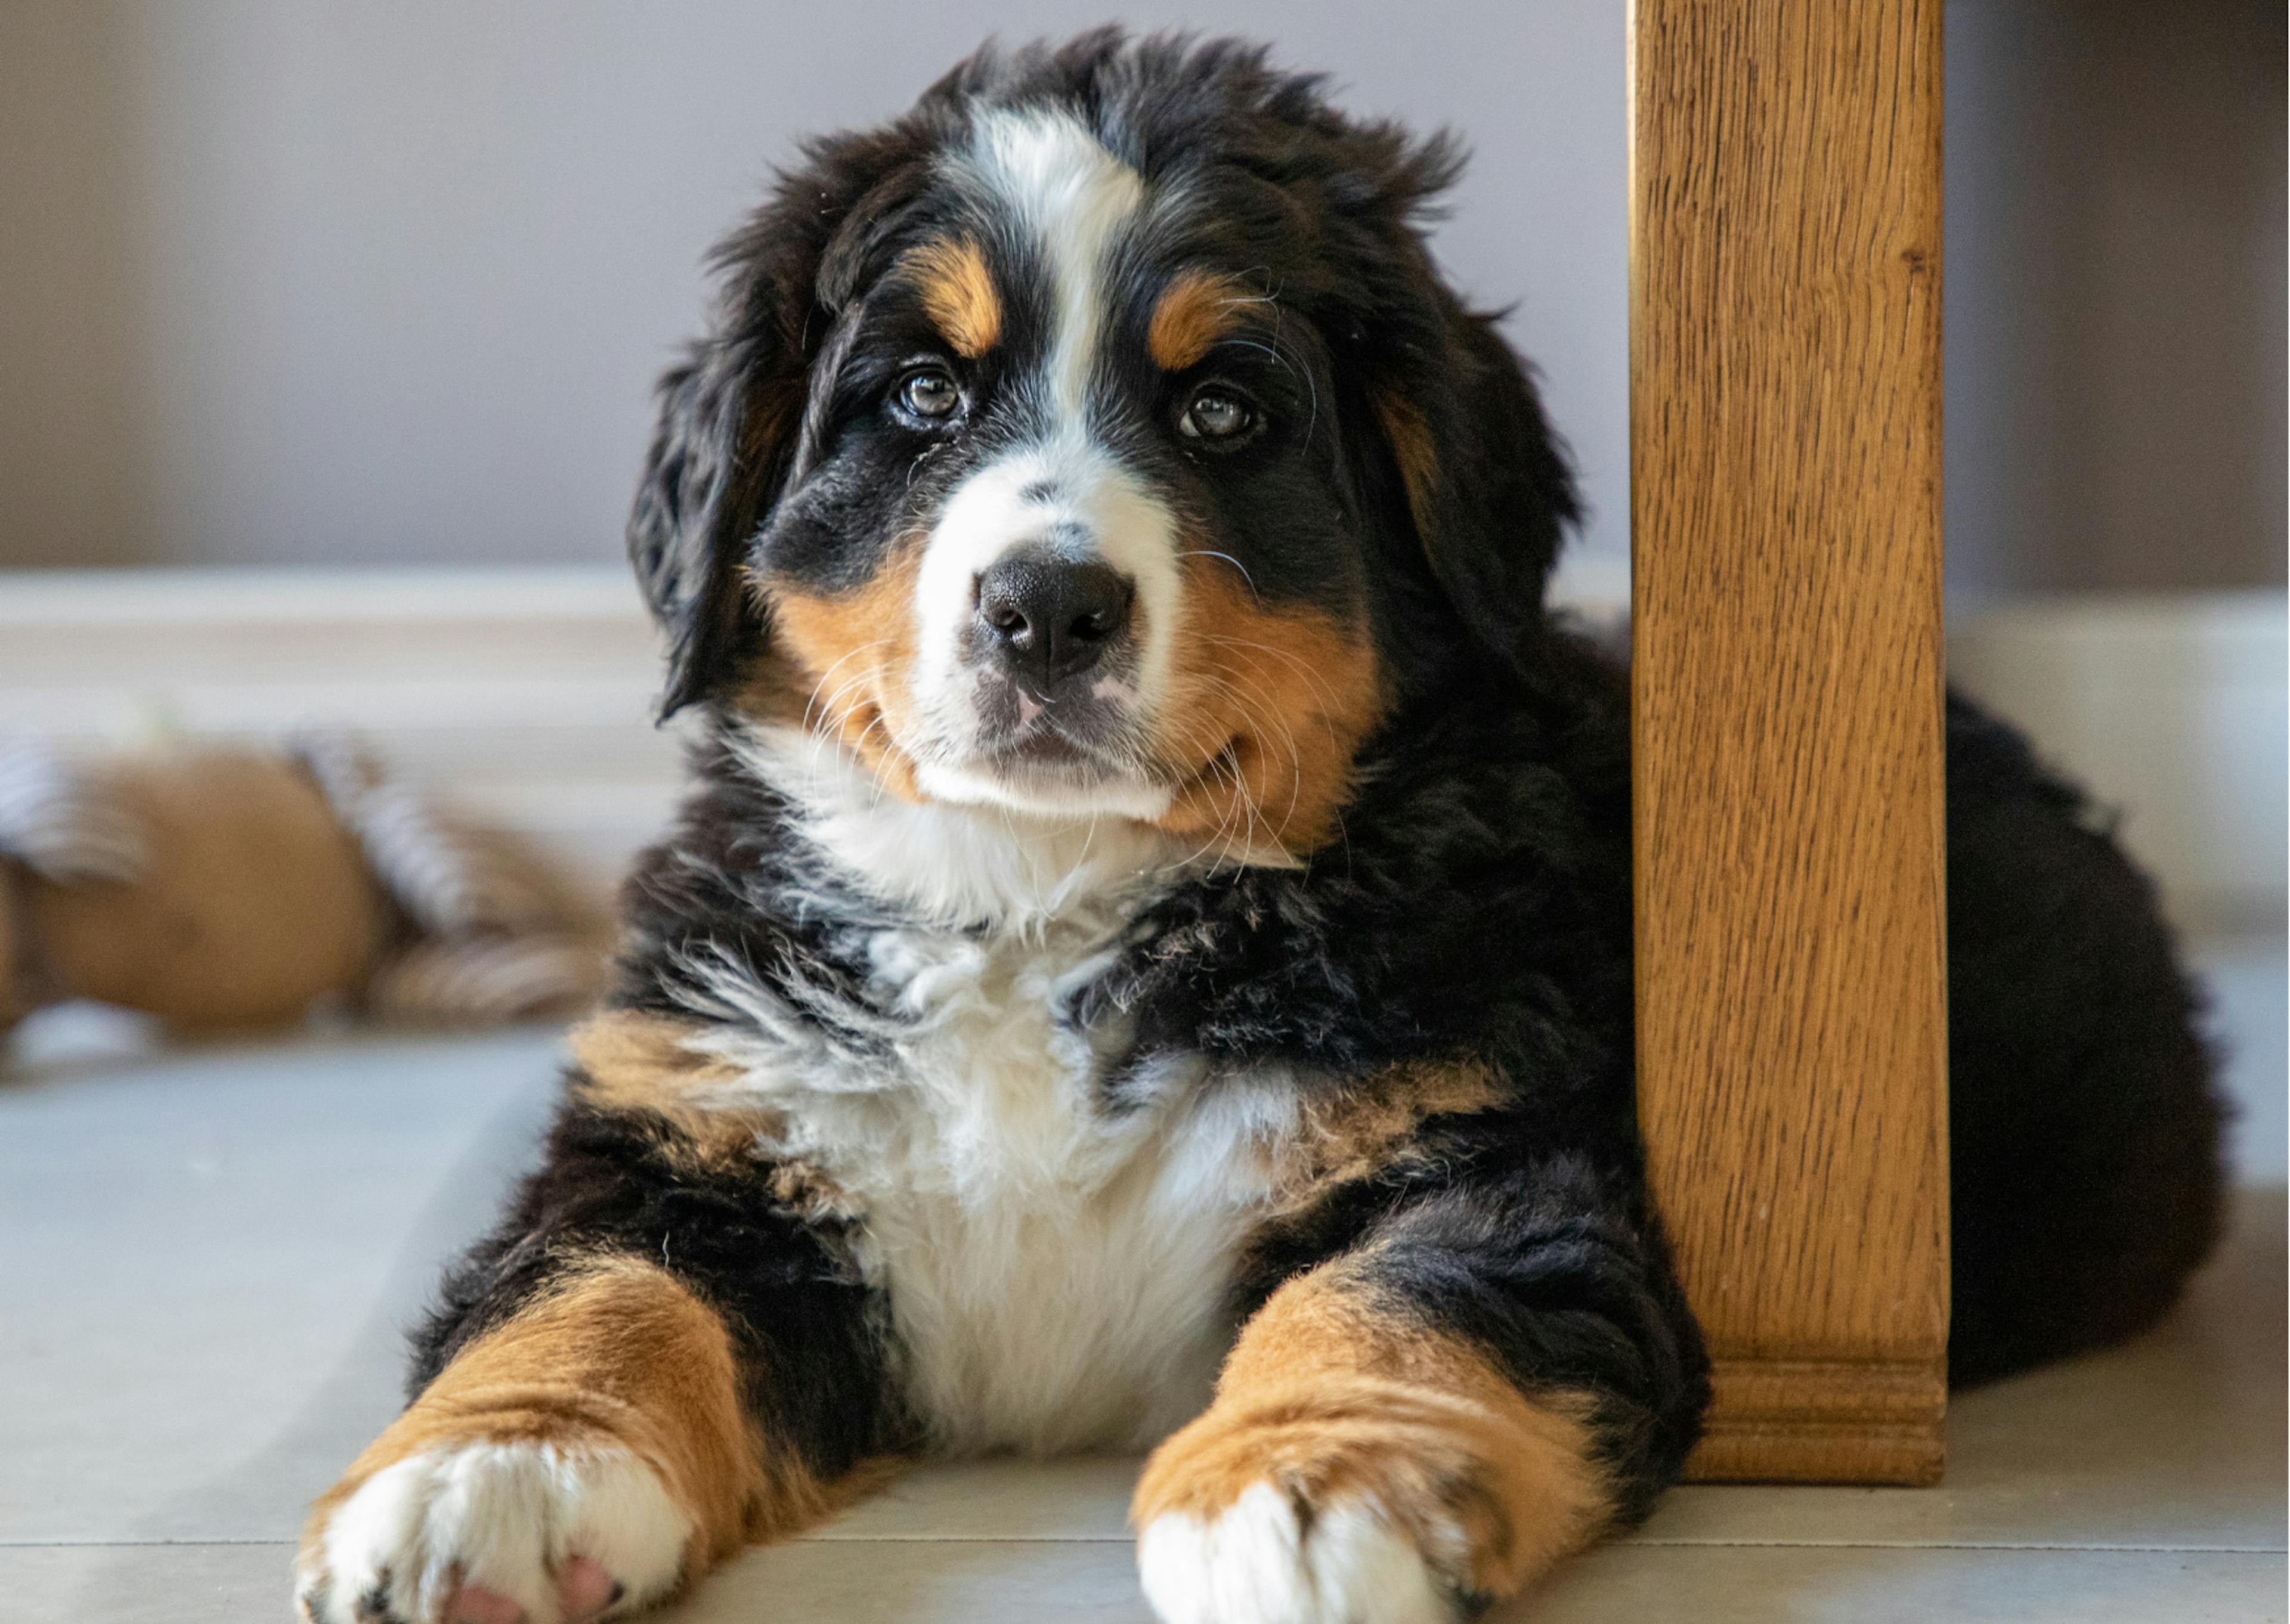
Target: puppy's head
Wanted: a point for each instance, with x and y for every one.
(1100, 439)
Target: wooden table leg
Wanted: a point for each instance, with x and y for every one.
(1785, 390)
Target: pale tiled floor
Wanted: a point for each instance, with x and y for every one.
(204, 1261)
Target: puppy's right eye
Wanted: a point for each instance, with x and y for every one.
(1216, 415)
(930, 393)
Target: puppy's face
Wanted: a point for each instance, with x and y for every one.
(1066, 536)
(1081, 494)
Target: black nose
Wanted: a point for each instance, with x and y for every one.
(1050, 617)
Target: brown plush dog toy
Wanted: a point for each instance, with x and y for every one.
(219, 888)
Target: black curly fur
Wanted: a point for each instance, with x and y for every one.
(2085, 1176)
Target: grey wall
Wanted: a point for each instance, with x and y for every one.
(2114, 302)
(286, 281)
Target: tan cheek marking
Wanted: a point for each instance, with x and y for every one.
(1332, 1396)
(1196, 309)
(621, 1354)
(839, 665)
(1412, 449)
(957, 294)
(1365, 1130)
(1266, 711)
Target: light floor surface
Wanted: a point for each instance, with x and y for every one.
(206, 1260)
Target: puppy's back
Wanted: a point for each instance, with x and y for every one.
(2084, 1131)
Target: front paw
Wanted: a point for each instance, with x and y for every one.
(1270, 1558)
(483, 1531)
(1358, 1501)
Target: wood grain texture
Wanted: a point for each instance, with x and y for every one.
(1786, 710)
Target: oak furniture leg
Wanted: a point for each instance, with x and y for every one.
(1785, 382)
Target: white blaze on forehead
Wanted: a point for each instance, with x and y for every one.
(1062, 489)
(1073, 197)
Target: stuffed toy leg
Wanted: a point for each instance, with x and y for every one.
(223, 888)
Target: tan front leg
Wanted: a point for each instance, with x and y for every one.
(586, 1458)
(1359, 1463)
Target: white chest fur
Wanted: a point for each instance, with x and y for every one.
(1056, 1275)
(1055, 1270)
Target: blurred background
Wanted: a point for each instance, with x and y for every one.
(327, 334)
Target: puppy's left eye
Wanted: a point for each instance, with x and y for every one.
(1216, 415)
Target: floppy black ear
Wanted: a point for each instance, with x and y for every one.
(1489, 487)
(699, 502)
(729, 415)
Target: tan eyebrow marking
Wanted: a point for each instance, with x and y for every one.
(957, 294)
(1195, 310)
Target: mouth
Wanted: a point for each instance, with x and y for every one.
(1051, 761)
(1059, 762)
(1079, 734)
(1077, 754)
(1044, 747)
(1043, 770)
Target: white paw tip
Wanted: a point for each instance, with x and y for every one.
(505, 1516)
(1256, 1564)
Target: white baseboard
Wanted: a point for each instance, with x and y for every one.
(2174, 709)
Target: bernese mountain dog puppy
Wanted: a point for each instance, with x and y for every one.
(1146, 960)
